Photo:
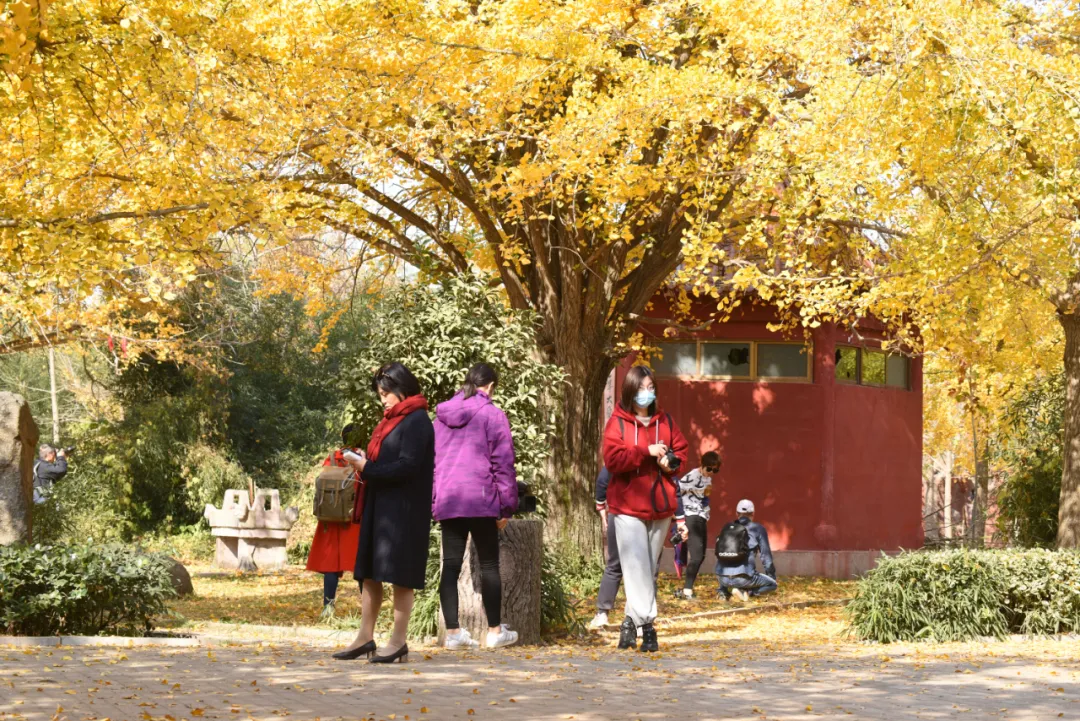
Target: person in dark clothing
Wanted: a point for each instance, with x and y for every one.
(694, 491)
(50, 467)
(612, 578)
(395, 520)
(741, 578)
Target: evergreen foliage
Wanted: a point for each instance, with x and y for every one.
(1028, 498)
(960, 595)
(81, 589)
(439, 332)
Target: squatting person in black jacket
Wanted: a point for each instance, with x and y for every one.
(739, 542)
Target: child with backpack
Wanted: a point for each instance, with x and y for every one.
(736, 547)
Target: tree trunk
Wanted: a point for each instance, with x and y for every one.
(575, 459)
(982, 502)
(1069, 512)
(948, 498)
(521, 552)
(52, 398)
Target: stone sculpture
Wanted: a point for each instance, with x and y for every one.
(251, 536)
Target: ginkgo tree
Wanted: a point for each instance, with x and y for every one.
(587, 152)
(121, 179)
(977, 179)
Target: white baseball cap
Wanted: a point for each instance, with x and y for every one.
(745, 506)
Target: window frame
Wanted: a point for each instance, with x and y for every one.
(701, 361)
(809, 377)
(858, 381)
(753, 377)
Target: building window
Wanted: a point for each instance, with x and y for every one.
(783, 360)
(678, 359)
(847, 364)
(898, 371)
(725, 360)
(735, 360)
(872, 367)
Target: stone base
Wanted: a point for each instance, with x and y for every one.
(837, 565)
(250, 554)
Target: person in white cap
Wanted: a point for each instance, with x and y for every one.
(736, 547)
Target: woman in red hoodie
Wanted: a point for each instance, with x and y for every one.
(642, 496)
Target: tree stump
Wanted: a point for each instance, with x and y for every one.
(521, 555)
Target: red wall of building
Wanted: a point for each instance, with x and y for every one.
(775, 447)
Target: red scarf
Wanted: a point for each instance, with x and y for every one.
(391, 418)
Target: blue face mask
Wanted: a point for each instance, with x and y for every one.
(645, 398)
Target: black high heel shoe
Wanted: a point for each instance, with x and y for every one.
(401, 656)
(368, 649)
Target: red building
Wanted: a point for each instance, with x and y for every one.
(823, 434)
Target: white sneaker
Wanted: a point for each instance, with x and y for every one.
(461, 640)
(599, 620)
(505, 637)
(740, 594)
(688, 593)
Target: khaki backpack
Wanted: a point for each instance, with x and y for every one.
(335, 494)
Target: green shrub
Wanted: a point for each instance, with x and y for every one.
(1031, 450)
(81, 589)
(439, 332)
(566, 578)
(957, 595)
(1042, 591)
(189, 545)
(424, 620)
(209, 473)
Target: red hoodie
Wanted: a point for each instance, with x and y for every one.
(634, 489)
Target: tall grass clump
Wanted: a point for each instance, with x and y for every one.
(958, 595)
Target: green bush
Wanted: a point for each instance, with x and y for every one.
(210, 473)
(439, 332)
(424, 620)
(1031, 450)
(81, 589)
(957, 595)
(566, 579)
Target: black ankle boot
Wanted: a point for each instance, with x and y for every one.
(628, 634)
(648, 638)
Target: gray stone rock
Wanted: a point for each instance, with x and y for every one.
(18, 449)
(181, 579)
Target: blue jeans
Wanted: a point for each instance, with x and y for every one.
(756, 584)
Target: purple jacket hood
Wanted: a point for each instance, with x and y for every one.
(459, 410)
(474, 460)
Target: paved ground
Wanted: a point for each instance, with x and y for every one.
(693, 680)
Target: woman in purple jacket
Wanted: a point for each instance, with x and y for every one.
(475, 492)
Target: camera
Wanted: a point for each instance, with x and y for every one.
(68, 449)
(673, 461)
(526, 500)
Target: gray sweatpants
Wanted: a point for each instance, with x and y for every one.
(640, 543)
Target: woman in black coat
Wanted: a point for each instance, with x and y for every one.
(396, 517)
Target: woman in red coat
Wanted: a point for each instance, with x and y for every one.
(333, 549)
(641, 444)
